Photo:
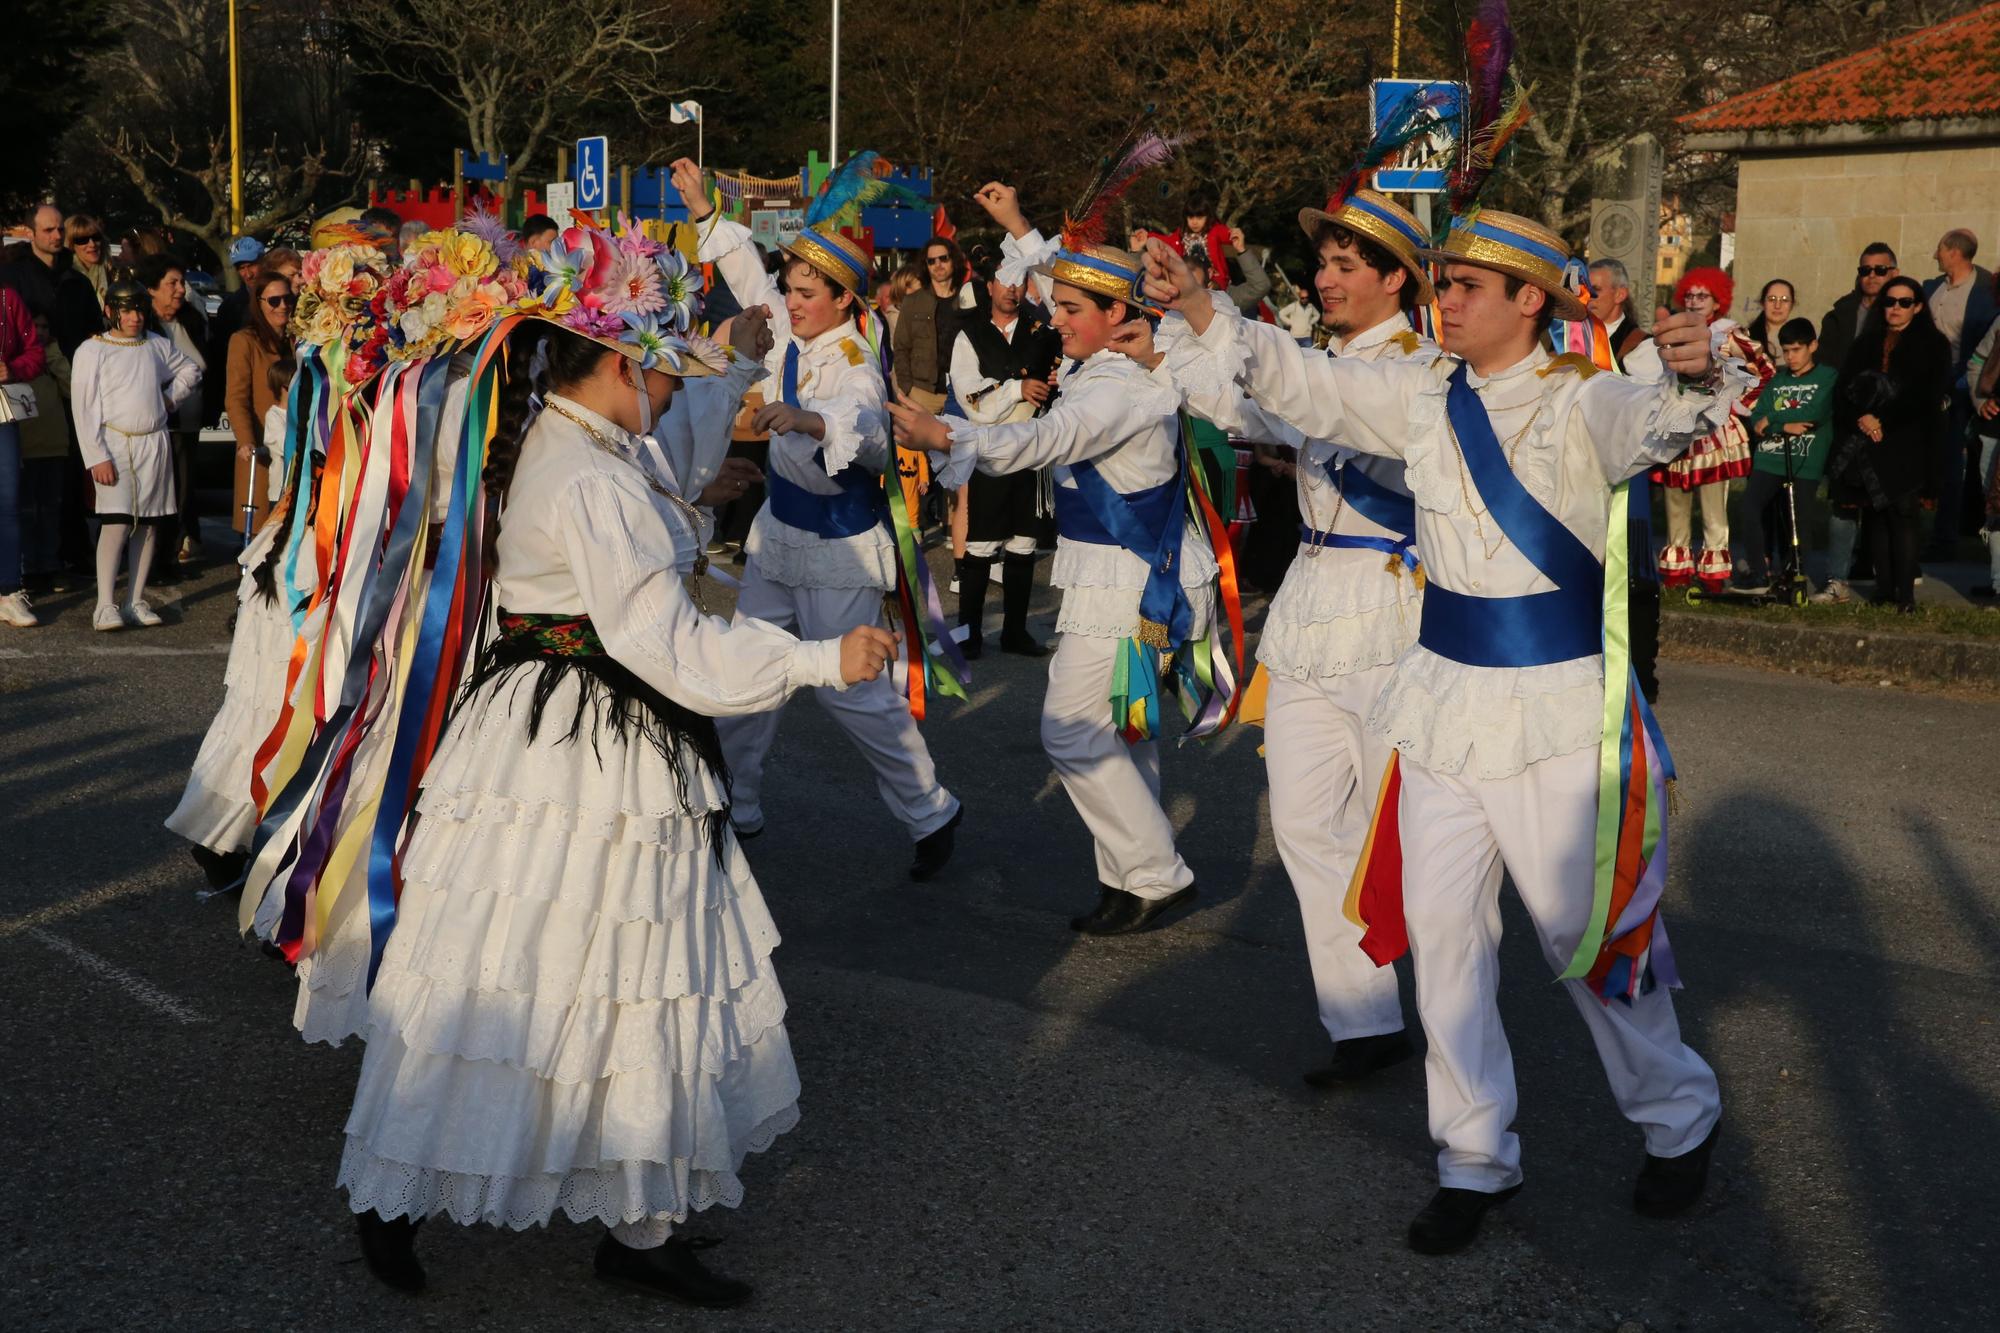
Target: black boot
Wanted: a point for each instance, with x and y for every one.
(1017, 586)
(975, 574)
(1669, 1186)
(221, 869)
(389, 1245)
(668, 1270)
(1358, 1057)
(934, 849)
(1450, 1221)
(1121, 913)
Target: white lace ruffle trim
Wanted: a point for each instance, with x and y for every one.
(1490, 721)
(800, 559)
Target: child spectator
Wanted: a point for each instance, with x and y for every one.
(124, 387)
(1792, 420)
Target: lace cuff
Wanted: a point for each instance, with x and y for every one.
(964, 455)
(845, 422)
(1018, 254)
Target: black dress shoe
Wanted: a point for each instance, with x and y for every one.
(1450, 1220)
(1669, 1186)
(221, 869)
(389, 1246)
(1121, 913)
(934, 849)
(1023, 645)
(973, 649)
(669, 1270)
(1358, 1057)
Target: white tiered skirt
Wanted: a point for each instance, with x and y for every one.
(576, 1010)
(215, 810)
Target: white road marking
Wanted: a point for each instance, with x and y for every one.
(121, 650)
(145, 992)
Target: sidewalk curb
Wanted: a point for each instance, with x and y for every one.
(1920, 658)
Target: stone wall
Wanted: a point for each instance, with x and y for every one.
(1805, 216)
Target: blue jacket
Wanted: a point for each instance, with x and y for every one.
(1980, 310)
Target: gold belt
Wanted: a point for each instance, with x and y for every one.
(135, 434)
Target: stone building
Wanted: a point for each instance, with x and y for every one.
(1898, 144)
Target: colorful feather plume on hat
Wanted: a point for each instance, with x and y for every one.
(861, 182)
(1496, 106)
(1138, 152)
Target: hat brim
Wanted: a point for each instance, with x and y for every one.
(1055, 270)
(809, 252)
(692, 367)
(1568, 304)
(1312, 219)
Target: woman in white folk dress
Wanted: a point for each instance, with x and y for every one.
(576, 1010)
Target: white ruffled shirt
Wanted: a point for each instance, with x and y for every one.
(1338, 610)
(839, 380)
(583, 532)
(1569, 438)
(1109, 412)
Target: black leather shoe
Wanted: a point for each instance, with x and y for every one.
(1358, 1057)
(1023, 645)
(1669, 1186)
(669, 1270)
(1122, 913)
(934, 849)
(1450, 1221)
(974, 648)
(389, 1245)
(220, 869)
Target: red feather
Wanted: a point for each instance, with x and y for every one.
(1140, 151)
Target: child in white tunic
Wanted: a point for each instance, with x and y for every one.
(1108, 417)
(576, 1010)
(124, 386)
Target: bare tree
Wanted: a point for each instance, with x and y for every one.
(517, 75)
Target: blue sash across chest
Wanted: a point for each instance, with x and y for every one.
(1147, 523)
(1537, 629)
(861, 504)
(1376, 503)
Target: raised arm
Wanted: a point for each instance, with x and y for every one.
(1634, 425)
(728, 246)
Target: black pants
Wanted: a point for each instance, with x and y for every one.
(1892, 535)
(733, 523)
(1764, 497)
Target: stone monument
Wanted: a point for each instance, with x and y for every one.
(1625, 216)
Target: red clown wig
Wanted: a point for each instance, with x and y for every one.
(1711, 280)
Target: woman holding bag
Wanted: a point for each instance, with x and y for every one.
(21, 362)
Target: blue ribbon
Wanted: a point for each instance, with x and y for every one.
(1403, 548)
(1374, 501)
(862, 503)
(1533, 630)
(1147, 523)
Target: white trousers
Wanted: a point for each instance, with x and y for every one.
(1325, 771)
(1458, 831)
(1114, 786)
(874, 716)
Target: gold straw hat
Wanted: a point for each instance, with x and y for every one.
(1509, 243)
(1383, 221)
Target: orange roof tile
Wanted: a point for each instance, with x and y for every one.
(1948, 71)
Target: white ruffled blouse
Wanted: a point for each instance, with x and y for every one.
(1109, 412)
(839, 380)
(583, 531)
(1338, 610)
(1569, 437)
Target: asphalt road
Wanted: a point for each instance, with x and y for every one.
(1006, 1127)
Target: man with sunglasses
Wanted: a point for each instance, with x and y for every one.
(1841, 325)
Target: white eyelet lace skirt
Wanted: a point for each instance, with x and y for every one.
(576, 1010)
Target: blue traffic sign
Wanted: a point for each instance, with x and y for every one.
(1422, 165)
(593, 173)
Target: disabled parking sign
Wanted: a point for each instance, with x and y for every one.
(593, 173)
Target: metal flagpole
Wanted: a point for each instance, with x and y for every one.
(833, 115)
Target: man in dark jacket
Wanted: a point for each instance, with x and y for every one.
(1839, 327)
(1961, 302)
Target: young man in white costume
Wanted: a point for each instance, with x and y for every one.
(1497, 710)
(1347, 610)
(820, 557)
(1115, 430)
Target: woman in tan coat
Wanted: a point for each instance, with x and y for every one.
(264, 338)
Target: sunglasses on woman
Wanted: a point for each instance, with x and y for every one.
(281, 302)
(87, 240)
(1902, 302)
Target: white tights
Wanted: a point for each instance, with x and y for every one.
(648, 1233)
(136, 542)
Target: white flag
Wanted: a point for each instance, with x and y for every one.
(683, 112)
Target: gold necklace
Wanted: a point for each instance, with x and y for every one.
(653, 483)
(1306, 469)
(1465, 481)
